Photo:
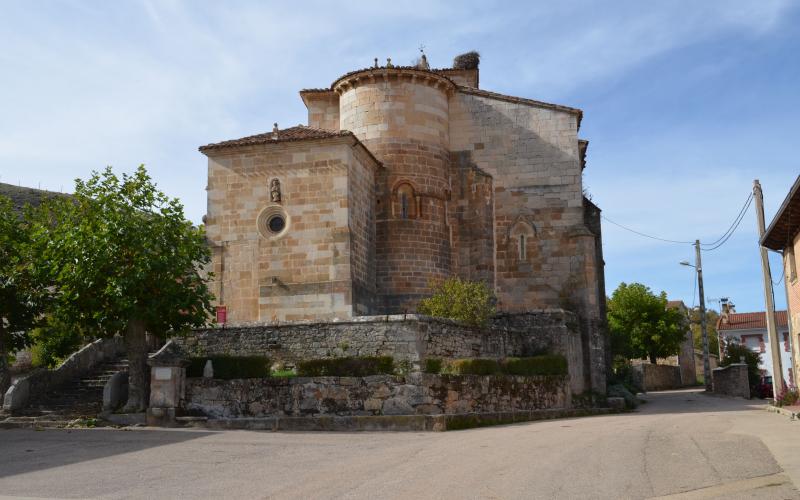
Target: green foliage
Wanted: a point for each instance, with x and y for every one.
(470, 302)
(641, 325)
(53, 342)
(788, 397)
(231, 367)
(120, 250)
(734, 353)
(548, 364)
(711, 328)
(346, 367)
(620, 391)
(283, 374)
(433, 365)
(22, 298)
(622, 374)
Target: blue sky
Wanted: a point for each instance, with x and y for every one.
(685, 102)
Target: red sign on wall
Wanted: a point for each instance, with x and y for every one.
(222, 314)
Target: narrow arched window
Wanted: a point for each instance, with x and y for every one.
(522, 253)
(403, 206)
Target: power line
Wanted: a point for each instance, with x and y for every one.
(646, 235)
(735, 226)
(738, 216)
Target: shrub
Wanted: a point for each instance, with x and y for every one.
(53, 343)
(620, 391)
(473, 366)
(548, 364)
(231, 367)
(470, 302)
(788, 397)
(346, 367)
(433, 365)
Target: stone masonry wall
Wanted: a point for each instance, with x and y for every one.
(413, 394)
(409, 338)
(731, 380)
(304, 271)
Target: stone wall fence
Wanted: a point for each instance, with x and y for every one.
(731, 380)
(26, 389)
(652, 377)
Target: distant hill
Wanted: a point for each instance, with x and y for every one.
(21, 196)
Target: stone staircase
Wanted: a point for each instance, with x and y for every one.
(78, 399)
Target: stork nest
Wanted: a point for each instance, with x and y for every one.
(469, 60)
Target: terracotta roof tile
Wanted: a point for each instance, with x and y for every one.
(298, 133)
(750, 321)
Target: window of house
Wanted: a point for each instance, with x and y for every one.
(786, 342)
(754, 342)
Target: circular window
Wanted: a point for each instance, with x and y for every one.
(276, 223)
(273, 222)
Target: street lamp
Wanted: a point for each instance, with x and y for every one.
(699, 267)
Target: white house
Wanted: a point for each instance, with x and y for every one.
(750, 329)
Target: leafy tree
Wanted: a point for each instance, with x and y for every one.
(122, 259)
(711, 327)
(641, 325)
(471, 302)
(21, 298)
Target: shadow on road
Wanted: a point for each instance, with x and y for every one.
(26, 450)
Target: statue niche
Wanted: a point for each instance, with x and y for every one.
(275, 190)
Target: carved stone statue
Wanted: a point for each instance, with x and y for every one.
(275, 191)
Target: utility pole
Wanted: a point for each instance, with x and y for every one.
(769, 299)
(706, 365)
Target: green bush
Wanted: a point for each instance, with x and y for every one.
(53, 343)
(473, 366)
(470, 302)
(547, 364)
(231, 367)
(433, 365)
(346, 367)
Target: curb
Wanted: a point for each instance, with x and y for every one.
(777, 409)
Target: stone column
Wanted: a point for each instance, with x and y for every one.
(167, 379)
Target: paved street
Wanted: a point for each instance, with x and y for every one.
(681, 444)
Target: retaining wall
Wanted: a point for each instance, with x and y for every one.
(413, 394)
(731, 380)
(411, 338)
(657, 377)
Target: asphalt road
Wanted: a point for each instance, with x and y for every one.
(680, 445)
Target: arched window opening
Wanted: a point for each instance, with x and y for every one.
(522, 252)
(405, 202)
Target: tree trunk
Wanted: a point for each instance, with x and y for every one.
(5, 374)
(138, 371)
(653, 359)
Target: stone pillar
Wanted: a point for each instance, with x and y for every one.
(167, 381)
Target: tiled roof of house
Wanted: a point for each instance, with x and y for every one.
(298, 133)
(750, 321)
(675, 304)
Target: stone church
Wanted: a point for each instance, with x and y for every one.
(404, 176)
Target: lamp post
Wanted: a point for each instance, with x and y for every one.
(699, 267)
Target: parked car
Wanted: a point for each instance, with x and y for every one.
(764, 387)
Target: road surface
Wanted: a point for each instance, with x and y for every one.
(681, 444)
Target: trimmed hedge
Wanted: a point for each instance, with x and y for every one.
(547, 364)
(346, 367)
(231, 367)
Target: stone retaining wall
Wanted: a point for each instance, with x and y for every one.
(413, 394)
(731, 380)
(652, 377)
(411, 338)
